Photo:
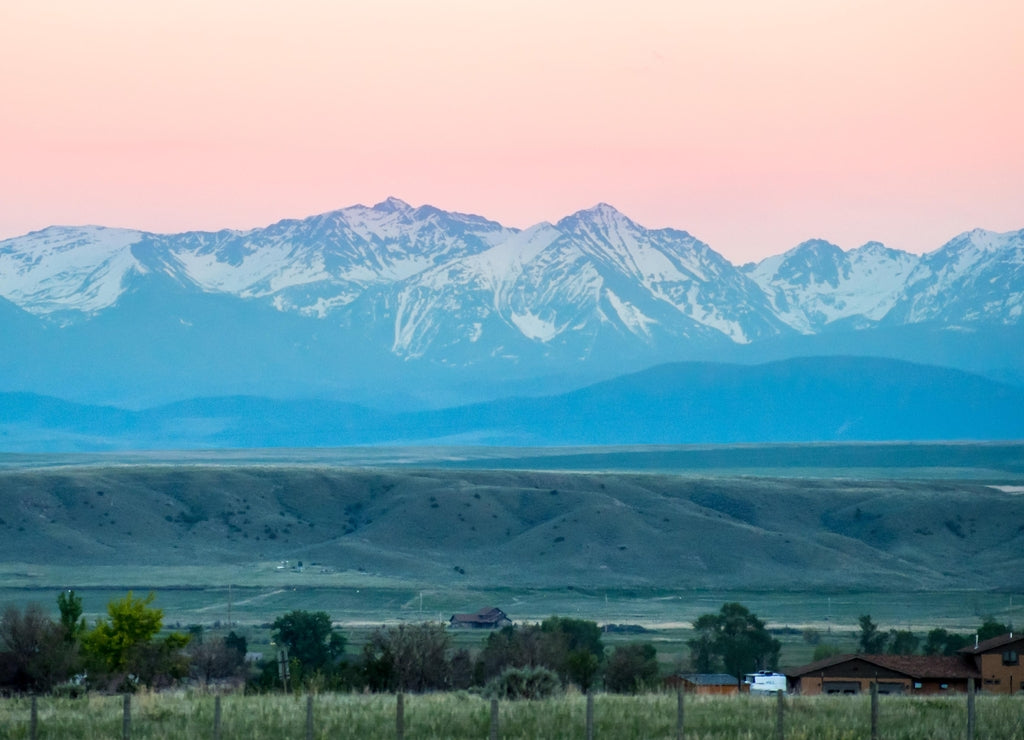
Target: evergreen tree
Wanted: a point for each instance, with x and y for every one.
(71, 618)
(870, 641)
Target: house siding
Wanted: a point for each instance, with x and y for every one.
(990, 657)
(901, 675)
(998, 678)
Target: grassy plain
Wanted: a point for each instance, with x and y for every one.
(917, 535)
(461, 715)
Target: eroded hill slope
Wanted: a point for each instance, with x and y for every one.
(527, 528)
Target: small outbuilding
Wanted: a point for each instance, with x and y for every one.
(488, 618)
(704, 683)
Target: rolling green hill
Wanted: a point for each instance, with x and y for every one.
(521, 528)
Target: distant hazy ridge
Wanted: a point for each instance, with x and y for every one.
(798, 400)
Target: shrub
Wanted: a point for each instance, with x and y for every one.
(523, 683)
(632, 668)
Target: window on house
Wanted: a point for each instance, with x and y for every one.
(1010, 657)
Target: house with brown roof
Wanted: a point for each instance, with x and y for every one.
(998, 663)
(488, 618)
(894, 674)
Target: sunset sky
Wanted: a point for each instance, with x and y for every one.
(753, 125)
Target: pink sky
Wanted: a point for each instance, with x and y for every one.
(754, 125)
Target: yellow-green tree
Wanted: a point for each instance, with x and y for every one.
(124, 646)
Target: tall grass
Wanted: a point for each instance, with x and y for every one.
(464, 715)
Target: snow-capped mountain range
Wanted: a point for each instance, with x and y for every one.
(419, 283)
(593, 266)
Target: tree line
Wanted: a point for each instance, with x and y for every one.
(128, 649)
(872, 640)
(515, 661)
(123, 651)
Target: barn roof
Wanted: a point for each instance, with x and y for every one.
(992, 643)
(709, 679)
(487, 615)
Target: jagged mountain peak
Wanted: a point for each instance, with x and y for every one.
(813, 261)
(815, 245)
(600, 215)
(817, 283)
(978, 276)
(392, 204)
(983, 241)
(419, 281)
(875, 247)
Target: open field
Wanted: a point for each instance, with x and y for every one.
(977, 461)
(918, 536)
(462, 715)
(375, 604)
(665, 616)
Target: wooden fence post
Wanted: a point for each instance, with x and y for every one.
(494, 719)
(400, 717)
(874, 710)
(34, 721)
(590, 715)
(126, 719)
(216, 717)
(679, 714)
(970, 709)
(780, 728)
(309, 717)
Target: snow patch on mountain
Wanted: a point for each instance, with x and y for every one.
(533, 326)
(976, 276)
(632, 317)
(816, 283)
(67, 268)
(450, 287)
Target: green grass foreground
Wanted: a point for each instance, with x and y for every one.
(462, 715)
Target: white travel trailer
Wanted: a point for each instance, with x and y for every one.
(765, 682)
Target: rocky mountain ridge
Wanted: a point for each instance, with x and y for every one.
(593, 270)
(398, 298)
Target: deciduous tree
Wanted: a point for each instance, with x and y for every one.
(124, 646)
(903, 642)
(991, 628)
(737, 638)
(632, 668)
(312, 642)
(33, 654)
(409, 657)
(573, 648)
(940, 642)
